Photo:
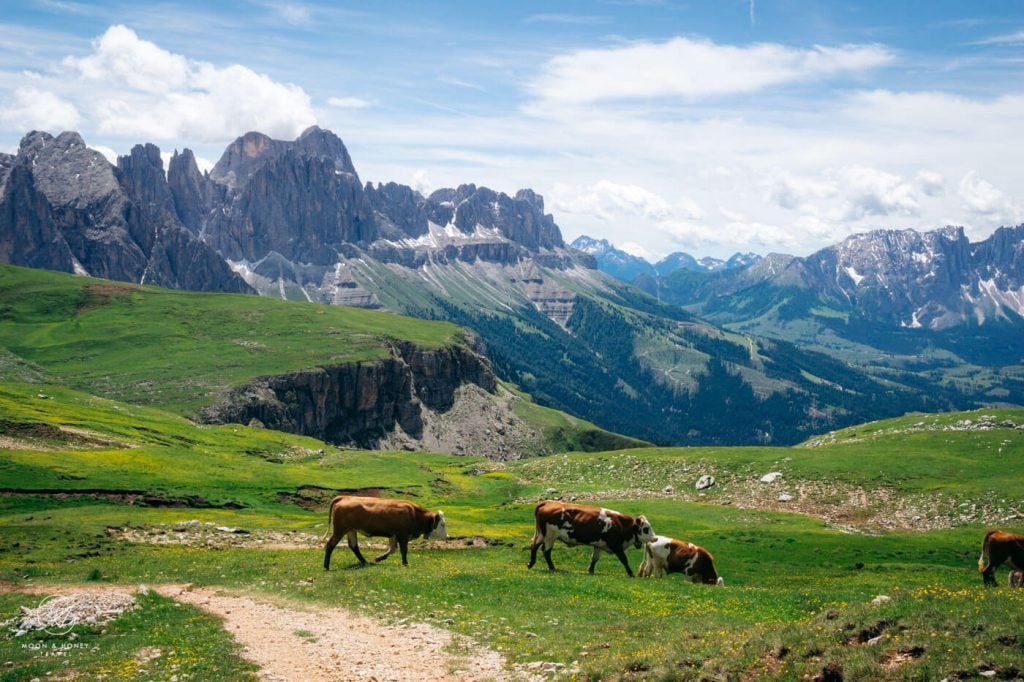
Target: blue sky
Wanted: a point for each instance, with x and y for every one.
(709, 127)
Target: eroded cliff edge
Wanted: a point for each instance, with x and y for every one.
(361, 404)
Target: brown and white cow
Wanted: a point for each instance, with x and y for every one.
(397, 520)
(998, 548)
(579, 524)
(665, 555)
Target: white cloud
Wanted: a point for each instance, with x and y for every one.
(870, 191)
(136, 88)
(1006, 39)
(634, 249)
(985, 200)
(111, 155)
(931, 183)
(609, 201)
(421, 182)
(348, 102)
(795, 192)
(39, 109)
(693, 69)
(298, 15)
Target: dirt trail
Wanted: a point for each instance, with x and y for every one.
(299, 642)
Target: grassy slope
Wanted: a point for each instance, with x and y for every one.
(797, 591)
(915, 453)
(178, 349)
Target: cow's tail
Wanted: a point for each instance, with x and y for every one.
(330, 519)
(983, 560)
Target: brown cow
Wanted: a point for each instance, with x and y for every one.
(665, 555)
(1000, 547)
(578, 524)
(397, 520)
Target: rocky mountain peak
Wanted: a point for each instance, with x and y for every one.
(400, 210)
(65, 170)
(142, 174)
(190, 190)
(318, 142)
(243, 157)
(252, 151)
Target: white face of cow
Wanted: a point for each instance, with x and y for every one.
(440, 531)
(644, 534)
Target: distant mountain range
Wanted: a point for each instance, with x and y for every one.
(886, 300)
(721, 353)
(628, 267)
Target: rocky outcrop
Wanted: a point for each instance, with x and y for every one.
(64, 207)
(400, 211)
(359, 403)
(301, 207)
(193, 193)
(520, 218)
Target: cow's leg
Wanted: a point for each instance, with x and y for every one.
(989, 574)
(403, 545)
(353, 544)
(645, 569)
(594, 556)
(392, 544)
(329, 549)
(538, 538)
(621, 553)
(549, 544)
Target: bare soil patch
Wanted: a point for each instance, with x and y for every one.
(197, 534)
(297, 642)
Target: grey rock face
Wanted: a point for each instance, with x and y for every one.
(65, 207)
(191, 190)
(400, 210)
(252, 151)
(520, 219)
(298, 206)
(359, 403)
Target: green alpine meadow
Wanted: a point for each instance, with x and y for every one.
(851, 555)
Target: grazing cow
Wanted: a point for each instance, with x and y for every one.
(397, 520)
(578, 524)
(665, 555)
(1000, 547)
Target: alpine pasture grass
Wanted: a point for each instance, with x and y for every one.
(182, 349)
(798, 594)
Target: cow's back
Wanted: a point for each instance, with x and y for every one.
(375, 515)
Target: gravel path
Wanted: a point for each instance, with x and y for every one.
(299, 642)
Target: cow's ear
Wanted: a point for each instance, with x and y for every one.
(438, 517)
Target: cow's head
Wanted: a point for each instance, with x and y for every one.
(642, 533)
(437, 529)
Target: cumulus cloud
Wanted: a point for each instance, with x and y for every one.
(634, 249)
(931, 183)
(795, 192)
(870, 191)
(693, 69)
(701, 237)
(33, 108)
(609, 201)
(985, 200)
(421, 182)
(139, 89)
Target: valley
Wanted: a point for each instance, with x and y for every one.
(115, 474)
